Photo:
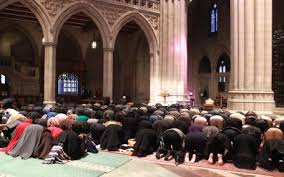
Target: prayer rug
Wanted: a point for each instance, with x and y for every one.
(93, 165)
(204, 164)
(229, 167)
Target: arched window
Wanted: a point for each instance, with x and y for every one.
(3, 79)
(68, 84)
(223, 69)
(214, 19)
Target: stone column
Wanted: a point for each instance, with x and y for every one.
(174, 49)
(49, 73)
(154, 79)
(251, 53)
(108, 72)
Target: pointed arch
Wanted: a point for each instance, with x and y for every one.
(142, 22)
(91, 12)
(37, 10)
(204, 66)
(224, 57)
(72, 41)
(25, 32)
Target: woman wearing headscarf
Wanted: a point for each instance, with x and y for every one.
(47, 137)
(8, 133)
(129, 125)
(28, 142)
(147, 142)
(112, 138)
(13, 118)
(97, 131)
(34, 116)
(73, 142)
(53, 122)
(82, 114)
(55, 131)
(45, 145)
(18, 132)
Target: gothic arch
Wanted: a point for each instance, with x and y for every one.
(227, 61)
(37, 10)
(73, 40)
(24, 31)
(90, 11)
(217, 52)
(204, 66)
(142, 22)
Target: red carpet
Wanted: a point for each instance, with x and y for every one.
(203, 164)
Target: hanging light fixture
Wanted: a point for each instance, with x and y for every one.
(94, 45)
(43, 40)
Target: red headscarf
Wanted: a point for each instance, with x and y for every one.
(55, 131)
(18, 132)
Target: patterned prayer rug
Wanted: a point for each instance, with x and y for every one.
(203, 164)
(93, 165)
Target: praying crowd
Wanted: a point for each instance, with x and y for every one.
(66, 132)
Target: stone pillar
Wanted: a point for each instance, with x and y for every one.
(108, 72)
(49, 73)
(174, 49)
(251, 53)
(154, 79)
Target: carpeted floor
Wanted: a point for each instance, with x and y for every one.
(113, 164)
(93, 165)
(226, 167)
(229, 167)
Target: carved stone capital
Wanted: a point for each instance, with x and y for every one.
(153, 20)
(54, 6)
(111, 14)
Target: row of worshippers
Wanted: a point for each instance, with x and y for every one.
(170, 131)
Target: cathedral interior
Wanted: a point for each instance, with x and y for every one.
(150, 88)
(143, 50)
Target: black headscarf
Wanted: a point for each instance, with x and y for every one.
(180, 125)
(112, 137)
(244, 151)
(97, 131)
(73, 145)
(146, 143)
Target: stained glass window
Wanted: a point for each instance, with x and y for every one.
(68, 84)
(214, 19)
(3, 79)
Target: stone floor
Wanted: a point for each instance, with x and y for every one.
(141, 168)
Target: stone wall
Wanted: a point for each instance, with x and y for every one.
(201, 43)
